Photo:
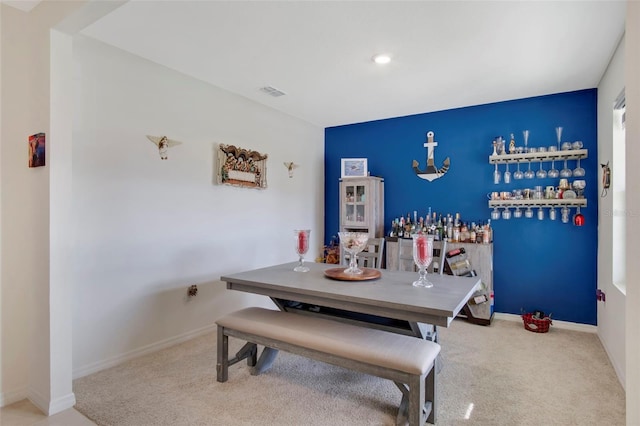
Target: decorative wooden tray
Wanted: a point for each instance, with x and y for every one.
(338, 274)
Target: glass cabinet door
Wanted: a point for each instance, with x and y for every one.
(354, 202)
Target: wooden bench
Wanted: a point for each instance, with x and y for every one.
(407, 361)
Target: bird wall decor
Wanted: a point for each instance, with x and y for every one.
(163, 143)
(290, 166)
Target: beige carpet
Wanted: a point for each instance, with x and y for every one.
(496, 375)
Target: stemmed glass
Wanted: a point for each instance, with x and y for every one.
(496, 175)
(302, 246)
(353, 243)
(578, 218)
(566, 172)
(542, 173)
(529, 174)
(579, 185)
(559, 135)
(553, 173)
(518, 174)
(578, 171)
(507, 175)
(422, 256)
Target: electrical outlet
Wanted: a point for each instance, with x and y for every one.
(192, 291)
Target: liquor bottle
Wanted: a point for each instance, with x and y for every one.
(486, 235)
(472, 232)
(464, 232)
(449, 228)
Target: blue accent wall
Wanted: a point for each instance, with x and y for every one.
(546, 265)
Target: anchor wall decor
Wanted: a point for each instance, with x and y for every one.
(431, 173)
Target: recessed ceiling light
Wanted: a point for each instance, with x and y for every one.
(381, 59)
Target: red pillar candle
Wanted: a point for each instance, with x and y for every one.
(422, 246)
(303, 242)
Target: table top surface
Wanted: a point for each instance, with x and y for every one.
(392, 294)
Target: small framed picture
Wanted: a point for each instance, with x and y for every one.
(37, 150)
(354, 167)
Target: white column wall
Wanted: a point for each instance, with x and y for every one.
(60, 217)
(632, 90)
(610, 313)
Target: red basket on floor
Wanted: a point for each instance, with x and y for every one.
(536, 325)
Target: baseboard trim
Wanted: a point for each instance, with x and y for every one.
(566, 325)
(153, 347)
(60, 404)
(8, 398)
(39, 400)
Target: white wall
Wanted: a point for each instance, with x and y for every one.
(146, 229)
(611, 316)
(25, 207)
(632, 90)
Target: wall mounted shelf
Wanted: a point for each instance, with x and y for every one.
(574, 202)
(572, 154)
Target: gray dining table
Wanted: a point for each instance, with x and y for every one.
(389, 302)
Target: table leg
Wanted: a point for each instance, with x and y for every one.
(267, 357)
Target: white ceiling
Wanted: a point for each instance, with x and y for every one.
(446, 54)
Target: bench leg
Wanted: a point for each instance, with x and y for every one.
(222, 367)
(431, 394)
(416, 400)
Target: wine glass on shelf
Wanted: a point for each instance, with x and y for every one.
(559, 135)
(302, 246)
(541, 173)
(578, 171)
(518, 174)
(422, 256)
(507, 174)
(553, 173)
(353, 243)
(566, 172)
(496, 175)
(578, 218)
(529, 174)
(579, 185)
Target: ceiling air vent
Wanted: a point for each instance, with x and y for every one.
(272, 91)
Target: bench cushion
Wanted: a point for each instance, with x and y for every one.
(382, 348)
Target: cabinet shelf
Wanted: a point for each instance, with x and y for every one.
(574, 202)
(572, 154)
